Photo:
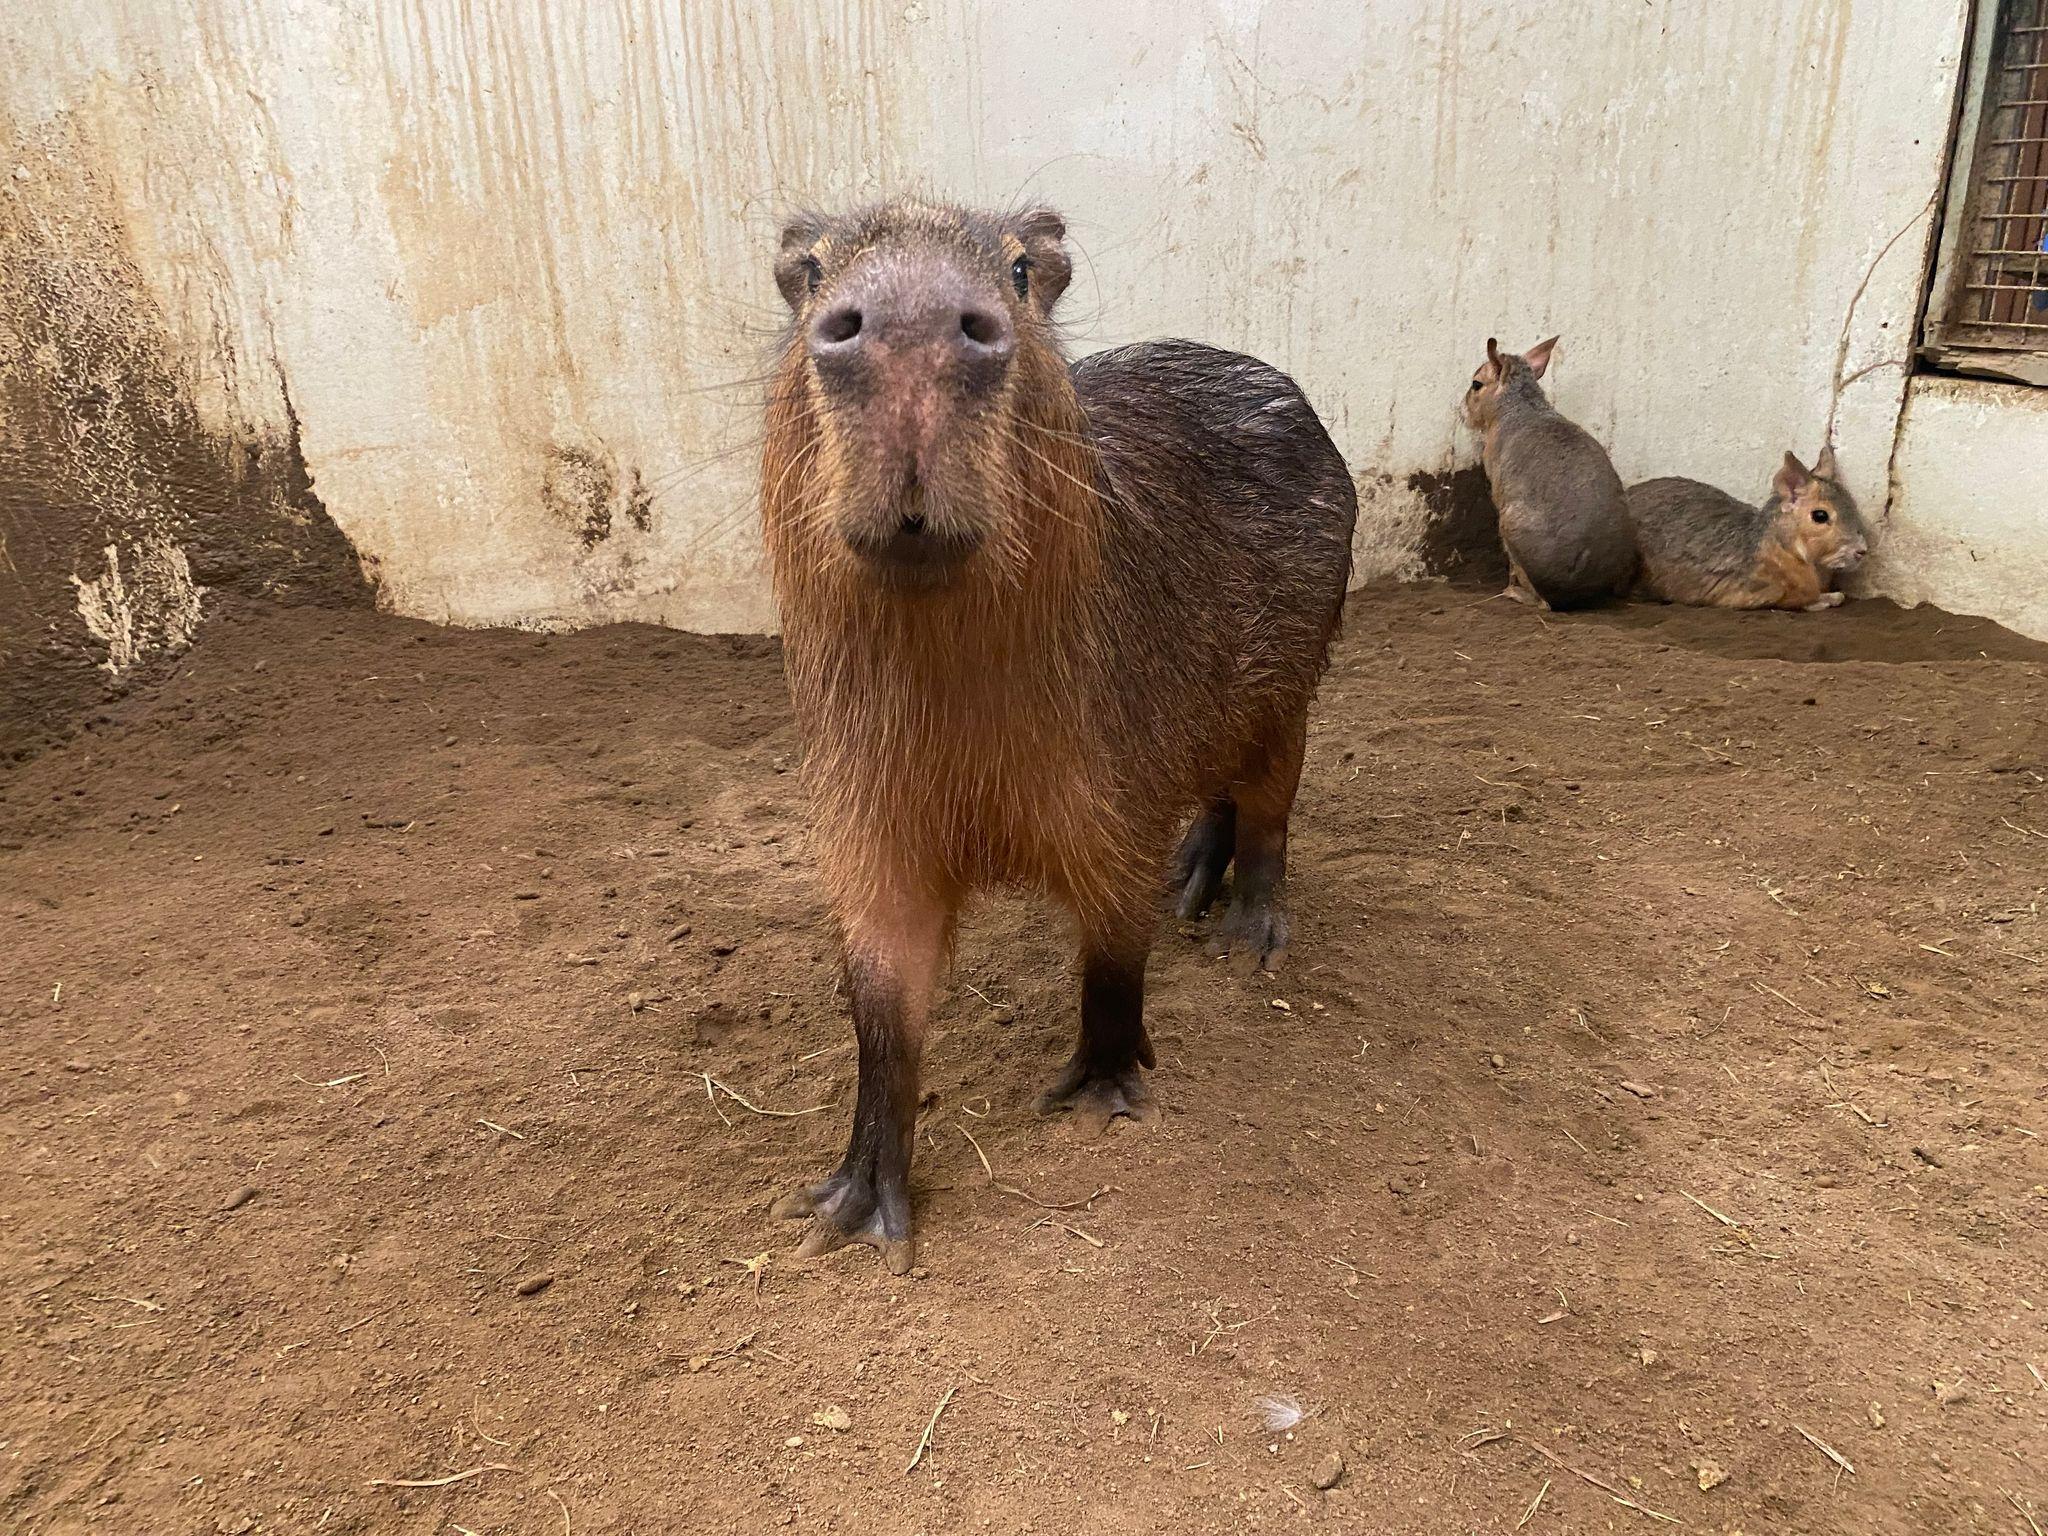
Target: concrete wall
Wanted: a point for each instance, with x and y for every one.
(1968, 527)
(501, 271)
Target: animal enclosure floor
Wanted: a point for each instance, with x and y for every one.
(406, 1030)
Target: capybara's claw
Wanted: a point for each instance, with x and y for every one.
(1255, 926)
(851, 1208)
(1097, 1095)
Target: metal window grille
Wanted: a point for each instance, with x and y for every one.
(1988, 307)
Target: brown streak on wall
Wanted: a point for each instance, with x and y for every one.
(102, 448)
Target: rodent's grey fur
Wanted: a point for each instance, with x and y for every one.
(1563, 515)
(1700, 545)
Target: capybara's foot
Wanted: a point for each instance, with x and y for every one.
(853, 1206)
(1255, 926)
(1097, 1094)
(1204, 856)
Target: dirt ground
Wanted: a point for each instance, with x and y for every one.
(1655, 1099)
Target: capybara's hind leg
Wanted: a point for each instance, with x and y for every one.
(1105, 1077)
(1256, 922)
(891, 964)
(1204, 856)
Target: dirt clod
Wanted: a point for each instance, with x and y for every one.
(239, 1198)
(1329, 1471)
(533, 1285)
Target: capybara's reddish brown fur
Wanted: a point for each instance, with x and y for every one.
(1033, 616)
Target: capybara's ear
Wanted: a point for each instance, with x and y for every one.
(1538, 356)
(1824, 466)
(1044, 234)
(796, 264)
(1790, 477)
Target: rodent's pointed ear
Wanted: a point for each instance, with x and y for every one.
(796, 263)
(1538, 356)
(1493, 354)
(1044, 234)
(1790, 477)
(1824, 466)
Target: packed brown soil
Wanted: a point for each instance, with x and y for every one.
(405, 1032)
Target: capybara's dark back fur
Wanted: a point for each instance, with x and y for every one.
(1168, 564)
(1229, 513)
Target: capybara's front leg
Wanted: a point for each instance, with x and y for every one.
(1105, 1078)
(891, 965)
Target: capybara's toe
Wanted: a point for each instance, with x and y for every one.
(1096, 1095)
(853, 1207)
(1254, 930)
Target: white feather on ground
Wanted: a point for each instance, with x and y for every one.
(1279, 1413)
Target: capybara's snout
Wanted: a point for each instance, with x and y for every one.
(911, 351)
(911, 338)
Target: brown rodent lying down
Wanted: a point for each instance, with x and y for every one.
(1563, 516)
(1033, 617)
(1702, 546)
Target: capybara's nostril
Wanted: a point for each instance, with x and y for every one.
(986, 329)
(837, 331)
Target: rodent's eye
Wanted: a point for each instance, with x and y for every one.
(814, 274)
(1020, 276)
(1820, 514)
(1475, 384)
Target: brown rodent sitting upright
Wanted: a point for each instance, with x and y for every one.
(1702, 546)
(1032, 617)
(1563, 517)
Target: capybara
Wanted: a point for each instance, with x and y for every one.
(1033, 616)
(1563, 517)
(1702, 546)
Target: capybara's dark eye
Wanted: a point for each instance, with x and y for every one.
(1020, 276)
(814, 274)
(1820, 514)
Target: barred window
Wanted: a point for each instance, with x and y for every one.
(1988, 305)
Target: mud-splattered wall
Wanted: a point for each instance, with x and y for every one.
(500, 271)
(149, 457)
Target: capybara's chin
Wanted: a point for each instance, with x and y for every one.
(914, 557)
